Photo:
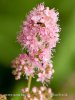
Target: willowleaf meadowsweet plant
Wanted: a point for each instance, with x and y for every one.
(38, 36)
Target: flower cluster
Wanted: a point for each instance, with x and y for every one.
(41, 93)
(40, 30)
(38, 36)
(24, 65)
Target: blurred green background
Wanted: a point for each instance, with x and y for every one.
(12, 14)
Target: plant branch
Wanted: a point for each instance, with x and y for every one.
(29, 82)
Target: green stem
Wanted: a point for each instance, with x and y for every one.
(29, 82)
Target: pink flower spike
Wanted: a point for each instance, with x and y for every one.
(39, 35)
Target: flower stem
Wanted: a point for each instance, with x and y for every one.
(29, 82)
